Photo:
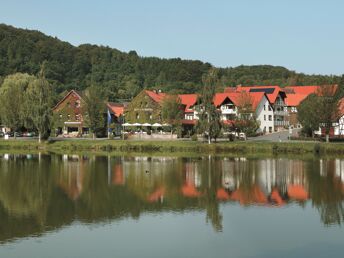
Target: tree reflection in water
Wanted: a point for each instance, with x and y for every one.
(39, 193)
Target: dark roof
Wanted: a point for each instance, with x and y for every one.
(265, 90)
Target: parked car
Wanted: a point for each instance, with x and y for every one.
(10, 134)
(18, 134)
(29, 134)
(2, 134)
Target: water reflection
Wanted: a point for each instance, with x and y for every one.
(44, 192)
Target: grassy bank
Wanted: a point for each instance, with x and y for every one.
(174, 147)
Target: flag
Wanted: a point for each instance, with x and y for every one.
(108, 120)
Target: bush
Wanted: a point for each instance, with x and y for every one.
(194, 137)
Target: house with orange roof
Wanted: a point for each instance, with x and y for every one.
(258, 103)
(145, 107)
(296, 94)
(190, 103)
(71, 119)
(276, 97)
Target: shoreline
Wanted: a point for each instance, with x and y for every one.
(168, 147)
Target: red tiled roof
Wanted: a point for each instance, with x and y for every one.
(219, 98)
(188, 100)
(257, 98)
(271, 96)
(116, 109)
(293, 100)
(237, 97)
(156, 96)
(304, 90)
(341, 107)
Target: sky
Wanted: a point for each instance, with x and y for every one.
(302, 35)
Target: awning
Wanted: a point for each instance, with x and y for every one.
(72, 123)
(126, 124)
(146, 124)
(156, 125)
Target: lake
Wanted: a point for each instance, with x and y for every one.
(121, 206)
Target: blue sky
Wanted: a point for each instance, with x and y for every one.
(302, 35)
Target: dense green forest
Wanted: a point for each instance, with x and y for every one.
(122, 74)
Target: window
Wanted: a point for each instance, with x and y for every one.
(60, 116)
(150, 117)
(270, 117)
(264, 108)
(264, 117)
(188, 116)
(77, 103)
(137, 116)
(68, 117)
(270, 129)
(269, 108)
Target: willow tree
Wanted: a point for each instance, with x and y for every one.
(12, 96)
(209, 123)
(38, 102)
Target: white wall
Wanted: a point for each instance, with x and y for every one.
(260, 112)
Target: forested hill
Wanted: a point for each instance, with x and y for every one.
(124, 74)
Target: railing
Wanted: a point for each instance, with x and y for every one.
(281, 123)
(280, 113)
(228, 111)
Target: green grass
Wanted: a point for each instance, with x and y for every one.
(174, 147)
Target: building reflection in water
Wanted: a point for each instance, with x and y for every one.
(60, 188)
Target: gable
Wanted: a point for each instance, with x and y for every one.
(71, 100)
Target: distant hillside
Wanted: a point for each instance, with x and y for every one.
(124, 74)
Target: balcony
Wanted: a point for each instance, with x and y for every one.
(228, 110)
(281, 123)
(280, 113)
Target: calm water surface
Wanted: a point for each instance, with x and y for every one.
(102, 206)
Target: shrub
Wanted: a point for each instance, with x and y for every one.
(194, 137)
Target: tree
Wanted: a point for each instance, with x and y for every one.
(328, 107)
(308, 116)
(12, 96)
(319, 110)
(209, 117)
(95, 106)
(38, 104)
(246, 120)
(172, 111)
